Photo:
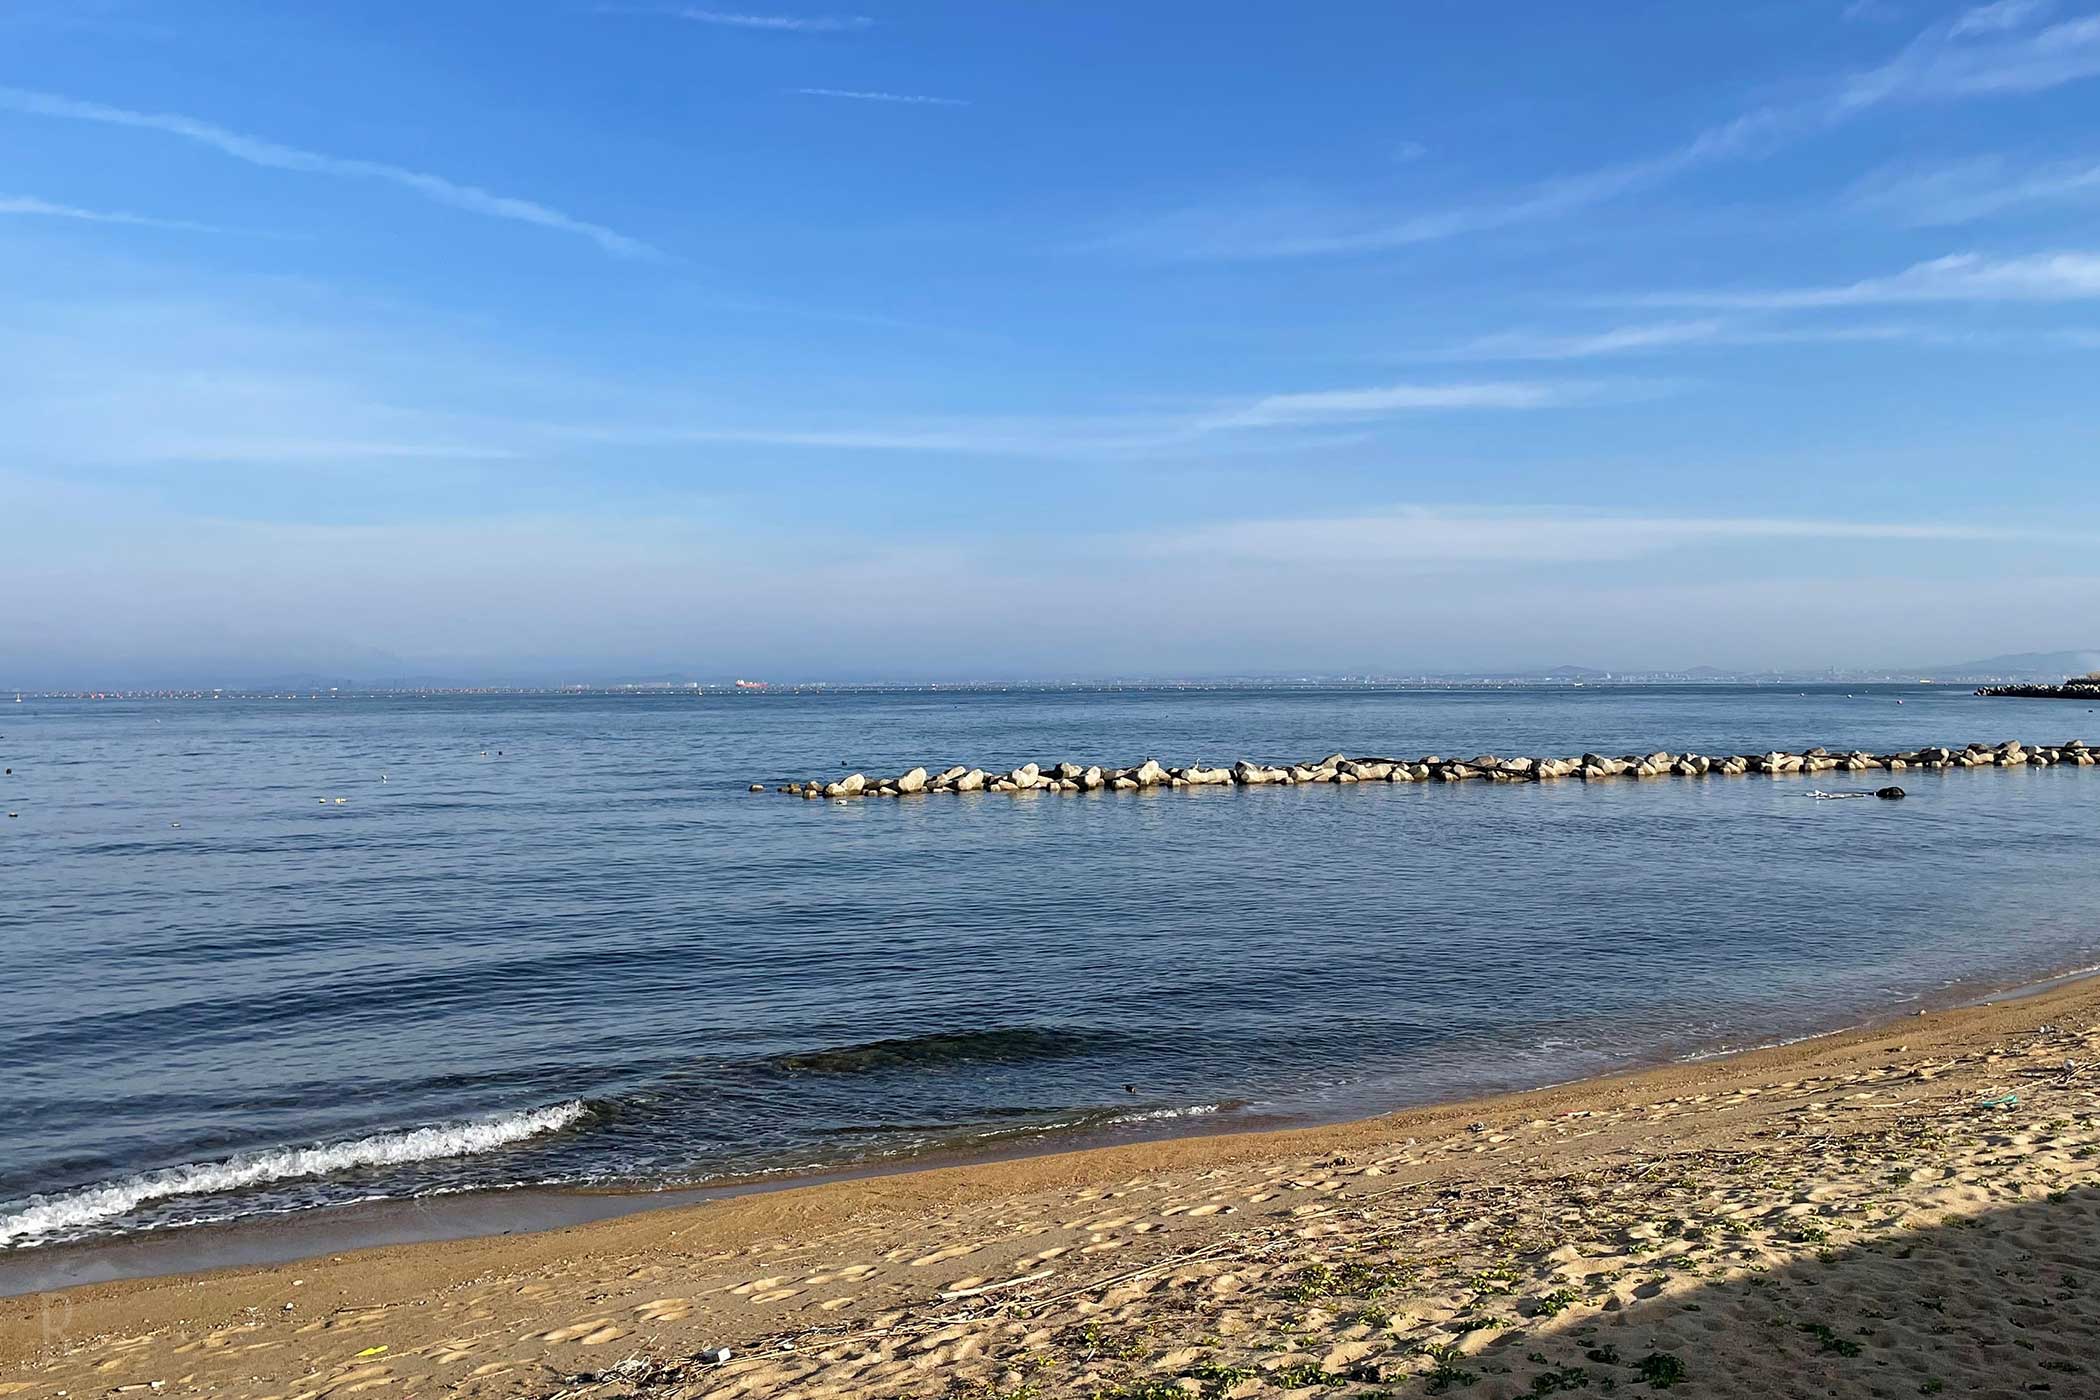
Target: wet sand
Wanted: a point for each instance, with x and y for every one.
(1899, 1210)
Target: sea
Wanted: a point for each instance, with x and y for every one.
(272, 956)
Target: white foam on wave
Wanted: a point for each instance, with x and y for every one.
(43, 1216)
(1156, 1115)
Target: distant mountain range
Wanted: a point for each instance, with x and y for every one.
(2050, 665)
(2024, 665)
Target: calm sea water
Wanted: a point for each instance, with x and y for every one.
(553, 940)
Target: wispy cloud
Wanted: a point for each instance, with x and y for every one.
(272, 155)
(1313, 228)
(856, 95)
(801, 24)
(2038, 277)
(29, 206)
(1989, 51)
(1328, 406)
(1650, 336)
(2000, 16)
(1617, 340)
(1443, 536)
(1266, 422)
(1870, 12)
(1967, 190)
(744, 19)
(233, 447)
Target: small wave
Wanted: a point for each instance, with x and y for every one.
(42, 1216)
(1016, 1045)
(1161, 1115)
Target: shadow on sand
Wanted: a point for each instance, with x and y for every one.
(2005, 1303)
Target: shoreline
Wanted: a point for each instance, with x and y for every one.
(482, 1214)
(905, 1210)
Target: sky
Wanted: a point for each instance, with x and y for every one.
(560, 340)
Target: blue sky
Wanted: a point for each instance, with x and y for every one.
(567, 339)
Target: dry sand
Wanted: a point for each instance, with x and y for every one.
(1865, 1214)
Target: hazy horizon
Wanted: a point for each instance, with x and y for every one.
(946, 341)
(240, 677)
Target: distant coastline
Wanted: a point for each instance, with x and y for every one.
(1980, 682)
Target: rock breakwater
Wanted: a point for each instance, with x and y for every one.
(2078, 688)
(1433, 768)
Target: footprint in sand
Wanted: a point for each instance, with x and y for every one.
(595, 1332)
(665, 1310)
(363, 1378)
(954, 1251)
(757, 1285)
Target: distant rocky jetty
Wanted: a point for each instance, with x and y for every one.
(1340, 768)
(2076, 688)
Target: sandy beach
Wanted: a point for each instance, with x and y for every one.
(1900, 1210)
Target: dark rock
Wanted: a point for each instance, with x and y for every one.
(1889, 793)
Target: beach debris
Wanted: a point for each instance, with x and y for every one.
(372, 1351)
(954, 1293)
(715, 1356)
(1999, 1101)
